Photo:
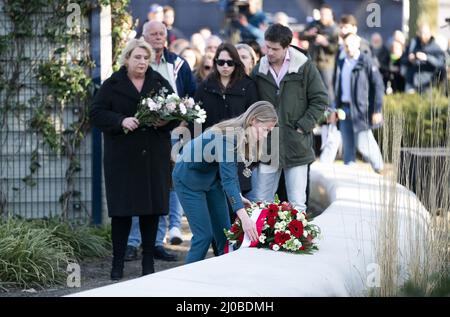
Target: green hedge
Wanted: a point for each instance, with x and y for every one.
(425, 118)
(35, 253)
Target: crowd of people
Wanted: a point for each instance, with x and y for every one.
(273, 77)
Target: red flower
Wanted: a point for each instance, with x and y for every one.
(302, 248)
(241, 238)
(294, 213)
(234, 228)
(286, 206)
(296, 228)
(271, 221)
(273, 208)
(281, 237)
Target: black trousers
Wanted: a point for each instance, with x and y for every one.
(120, 229)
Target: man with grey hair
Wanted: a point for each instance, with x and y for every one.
(178, 73)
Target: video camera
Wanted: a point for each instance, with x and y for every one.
(236, 7)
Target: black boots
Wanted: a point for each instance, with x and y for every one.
(147, 264)
(117, 269)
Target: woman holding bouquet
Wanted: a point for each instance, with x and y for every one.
(206, 173)
(137, 163)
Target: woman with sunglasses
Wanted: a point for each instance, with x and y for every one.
(226, 93)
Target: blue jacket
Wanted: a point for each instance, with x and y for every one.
(207, 159)
(182, 74)
(367, 92)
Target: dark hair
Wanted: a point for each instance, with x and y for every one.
(279, 34)
(168, 8)
(239, 70)
(326, 6)
(256, 47)
(348, 19)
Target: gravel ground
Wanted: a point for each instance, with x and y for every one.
(95, 272)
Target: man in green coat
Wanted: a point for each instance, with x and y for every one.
(288, 79)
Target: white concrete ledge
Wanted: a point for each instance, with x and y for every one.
(354, 200)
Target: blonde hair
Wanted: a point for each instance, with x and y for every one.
(129, 48)
(249, 49)
(261, 111)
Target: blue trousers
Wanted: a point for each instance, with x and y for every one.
(207, 214)
(364, 141)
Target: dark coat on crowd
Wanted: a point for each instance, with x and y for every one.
(340, 54)
(137, 164)
(323, 56)
(420, 75)
(221, 105)
(367, 92)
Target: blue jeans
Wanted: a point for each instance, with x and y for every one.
(265, 183)
(207, 214)
(175, 214)
(364, 141)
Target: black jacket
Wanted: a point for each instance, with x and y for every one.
(323, 56)
(137, 164)
(231, 103)
(420, 75)
(367, 92)
(221, 105)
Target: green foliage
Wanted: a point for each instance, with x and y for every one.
(441, 287)
(426, 117)
(83, 239)
(36, 252)
(31, 256)
(19, 12)
(121, 25)
(67, 82)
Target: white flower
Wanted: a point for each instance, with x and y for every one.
(197, 107)
(262, 238)
(305, 222)
(160, 99)
(190, 103)
(305, 233)
(171, 106)
(275, 247)
(300, 216)
(153, 106)
(182, 107)
(173, 97)
(341, 114)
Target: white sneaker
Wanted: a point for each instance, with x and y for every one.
(175, 236)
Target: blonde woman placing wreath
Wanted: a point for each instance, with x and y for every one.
(206, 174)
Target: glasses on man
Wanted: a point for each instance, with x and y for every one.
(222, 62)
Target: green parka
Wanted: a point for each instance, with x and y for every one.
(300, 102)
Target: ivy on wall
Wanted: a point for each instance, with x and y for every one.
(65, 76)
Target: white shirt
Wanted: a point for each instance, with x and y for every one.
(283, 70)
(346, 75)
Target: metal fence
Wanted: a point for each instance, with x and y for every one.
(37, 179)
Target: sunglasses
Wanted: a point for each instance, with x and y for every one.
(222, 62)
